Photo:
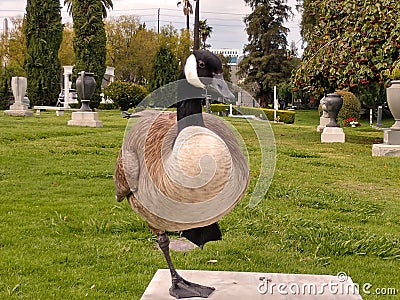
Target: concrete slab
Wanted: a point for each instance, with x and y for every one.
(254, 286)
(181, 245)
(333, 135)
(385, 150)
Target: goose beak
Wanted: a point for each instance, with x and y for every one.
(219, 84)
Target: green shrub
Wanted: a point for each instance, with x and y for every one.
(125, 94)
(394, 73)
(74, 105)
(285, 116)
(107, 106)
(351, 106)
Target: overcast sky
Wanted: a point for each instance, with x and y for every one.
(226, 17)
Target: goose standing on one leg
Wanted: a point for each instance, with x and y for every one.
(184, 171)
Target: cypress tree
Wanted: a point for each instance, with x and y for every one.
(165, 68)
(266, 61)
(43, 32)
(89, 42)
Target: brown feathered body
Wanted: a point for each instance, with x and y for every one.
(149, 175)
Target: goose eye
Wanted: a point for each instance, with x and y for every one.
(202, 64)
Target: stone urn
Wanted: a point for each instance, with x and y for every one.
(332, 103)
(324, 119)
(393, 99)
(85, 86)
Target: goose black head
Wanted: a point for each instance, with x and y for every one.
(203, 69)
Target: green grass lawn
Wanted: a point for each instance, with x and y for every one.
(330, 208)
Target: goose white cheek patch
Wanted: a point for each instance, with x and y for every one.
(191, 72)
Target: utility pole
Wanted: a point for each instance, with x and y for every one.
(196, 45)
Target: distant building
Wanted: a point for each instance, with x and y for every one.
(235, 56)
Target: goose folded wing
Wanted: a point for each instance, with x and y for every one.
(126, 176)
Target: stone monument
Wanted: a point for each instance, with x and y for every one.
(85, 86)
(19, 85)
(67, 73)
(332, 132)
(324, 119)
(391, 136)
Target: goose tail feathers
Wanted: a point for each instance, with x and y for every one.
(202, 235)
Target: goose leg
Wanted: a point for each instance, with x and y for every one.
(181, 288)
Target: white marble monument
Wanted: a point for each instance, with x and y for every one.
(390, 146)
(19, 85)
(391, 136)
(67, 84)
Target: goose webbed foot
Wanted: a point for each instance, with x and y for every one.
(182, 288)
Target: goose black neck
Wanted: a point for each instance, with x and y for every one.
(189, 113)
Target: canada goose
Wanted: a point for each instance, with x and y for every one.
(184, 171)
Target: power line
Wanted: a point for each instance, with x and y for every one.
(215, 22)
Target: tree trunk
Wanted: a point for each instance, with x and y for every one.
(196, 45)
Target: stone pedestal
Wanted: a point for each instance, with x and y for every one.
(18, 111)
(323, 121)
(251, 285)
(85, 118)
(18, 85)
(391, 137)
(385, 150)
(390, 146)
(333, 135)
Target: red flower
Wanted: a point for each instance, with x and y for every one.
(350, 122)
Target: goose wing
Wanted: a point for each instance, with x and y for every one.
(126, 176)
(131, 156)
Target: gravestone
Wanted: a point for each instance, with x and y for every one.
(19, 108)
(379, 116)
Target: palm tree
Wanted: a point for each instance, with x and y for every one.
(107, 4)
(187, 10)
(204, 31)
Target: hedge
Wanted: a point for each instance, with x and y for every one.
(125, 94)
(351, 106)
(286, 116)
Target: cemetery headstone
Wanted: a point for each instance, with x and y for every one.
(19, 108)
